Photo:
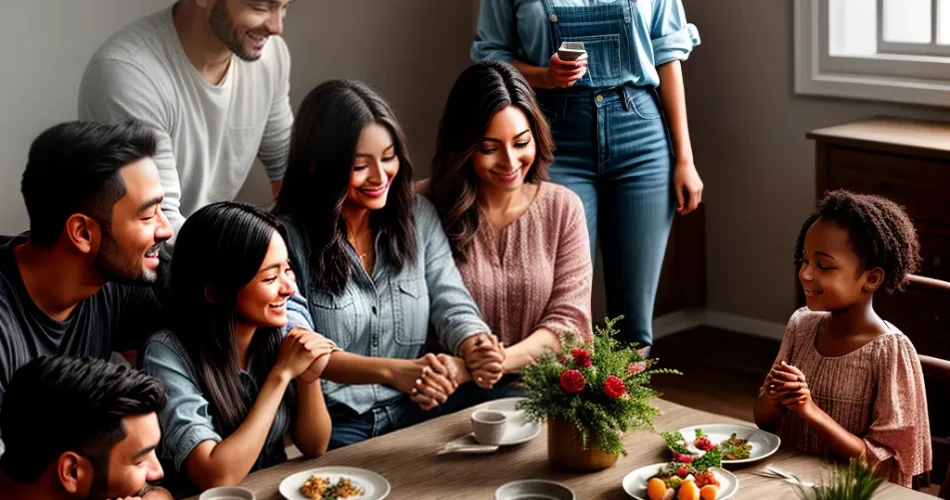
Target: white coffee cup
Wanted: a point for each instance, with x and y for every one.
(489, 426)
(228, 493)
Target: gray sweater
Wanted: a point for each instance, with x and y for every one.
(208, 134)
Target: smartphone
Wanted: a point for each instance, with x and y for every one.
(571, 51)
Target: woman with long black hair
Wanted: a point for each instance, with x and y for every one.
(373, 262)
(235, 384)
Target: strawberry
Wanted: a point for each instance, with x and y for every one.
(703, 443)
(682, 471)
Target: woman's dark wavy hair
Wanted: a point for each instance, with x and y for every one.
(482, 90)
(220, 249)
(322, 151)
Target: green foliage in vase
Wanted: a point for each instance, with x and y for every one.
(602, 387)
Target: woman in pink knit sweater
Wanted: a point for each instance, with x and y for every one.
(520, 243)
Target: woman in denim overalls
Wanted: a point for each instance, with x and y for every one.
(627, 156)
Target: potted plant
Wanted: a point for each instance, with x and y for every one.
(590, 394)
(857, 481)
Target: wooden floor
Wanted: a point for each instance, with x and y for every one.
(722, 370)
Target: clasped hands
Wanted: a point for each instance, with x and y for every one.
(787, 387)
(430, 380)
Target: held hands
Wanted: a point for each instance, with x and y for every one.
(562, 73)
(303, 354)
(427, 380)
(484, 357)
(786, 385)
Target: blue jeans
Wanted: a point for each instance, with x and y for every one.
(613, 150)
(350, 428)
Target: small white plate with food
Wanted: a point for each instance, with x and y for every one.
(675, 481)
(343, 483)
(739, 444)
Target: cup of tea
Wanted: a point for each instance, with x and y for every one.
(489, 426)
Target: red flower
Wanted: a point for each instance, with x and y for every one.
(581, 358)
(614, 387)
(572, 381)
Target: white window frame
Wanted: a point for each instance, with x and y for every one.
(892, 77)
(933, 48)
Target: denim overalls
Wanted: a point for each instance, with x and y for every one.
(613, 150)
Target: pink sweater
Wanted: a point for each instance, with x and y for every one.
(539, 275)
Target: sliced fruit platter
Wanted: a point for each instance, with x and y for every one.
(688, 477)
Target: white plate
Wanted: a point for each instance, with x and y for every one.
(764, 444)
(635, 483)
(375, 487)
(519, 430)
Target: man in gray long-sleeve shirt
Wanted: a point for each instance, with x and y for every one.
(212, 78)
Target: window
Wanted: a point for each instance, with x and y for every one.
(890, 50)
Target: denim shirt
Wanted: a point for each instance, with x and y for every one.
(521, 30)
(186, 421)
(384, 314)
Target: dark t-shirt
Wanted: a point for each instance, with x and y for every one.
(118, 317)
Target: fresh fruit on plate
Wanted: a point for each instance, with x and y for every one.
(702, 441)
(685, 481)
(709, 492)
(656, 489)
(688, 491)
(705, 478)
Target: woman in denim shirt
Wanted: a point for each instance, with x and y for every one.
(234, 386)
(373, 262)
(623, 148)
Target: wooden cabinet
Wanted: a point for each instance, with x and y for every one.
(909, 163)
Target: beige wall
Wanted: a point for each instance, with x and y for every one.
(410, 50)
(45, 47)
(748, 133)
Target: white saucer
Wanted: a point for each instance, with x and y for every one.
(517, 431)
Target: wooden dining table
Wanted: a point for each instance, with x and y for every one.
(408, 460)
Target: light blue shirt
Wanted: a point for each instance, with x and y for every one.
(187, 419)
(383, 313)
(520, 30)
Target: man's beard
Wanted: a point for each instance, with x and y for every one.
(116, 266)
(100, 479)
(224, 29)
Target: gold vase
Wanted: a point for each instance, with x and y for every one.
(566, 449)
